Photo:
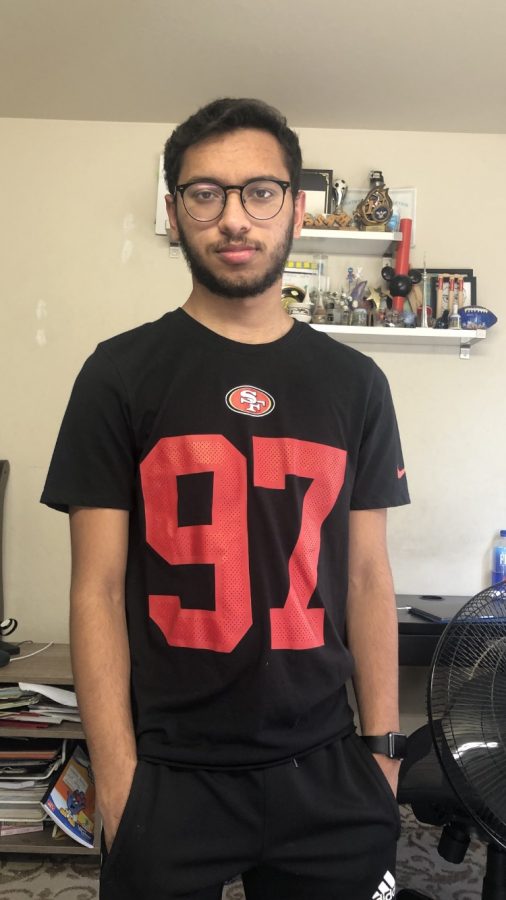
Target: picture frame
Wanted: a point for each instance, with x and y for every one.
(470, 288)
(317, 185)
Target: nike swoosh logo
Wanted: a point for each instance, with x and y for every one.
(400, 472)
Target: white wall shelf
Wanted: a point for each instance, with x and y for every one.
(354, 334)
(351, 243)
(379, 243)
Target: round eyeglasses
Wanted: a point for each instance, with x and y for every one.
(262, 198)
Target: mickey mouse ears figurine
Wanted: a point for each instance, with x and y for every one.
(400, 285)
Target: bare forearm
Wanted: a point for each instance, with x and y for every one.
(100, 653)
(373, 641)
(101, 667)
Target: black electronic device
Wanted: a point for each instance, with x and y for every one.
(427, 616)
(454, 774)
(5, 646)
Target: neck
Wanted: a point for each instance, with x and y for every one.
(249, 320)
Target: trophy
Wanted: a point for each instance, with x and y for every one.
(375, 210)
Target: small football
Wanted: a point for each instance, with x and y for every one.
(476, 317)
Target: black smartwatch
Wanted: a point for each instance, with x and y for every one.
(393, 744)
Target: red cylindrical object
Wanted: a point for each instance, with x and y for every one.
(402, 259)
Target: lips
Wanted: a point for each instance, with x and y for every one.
(237, 254)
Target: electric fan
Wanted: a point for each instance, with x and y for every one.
(467, 724)
(467, 708)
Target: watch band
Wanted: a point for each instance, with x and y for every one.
(393, 744)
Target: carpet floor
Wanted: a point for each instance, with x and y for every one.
(419, 867)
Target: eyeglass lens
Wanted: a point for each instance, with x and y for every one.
(261, 199)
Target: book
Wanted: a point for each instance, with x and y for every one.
(38, 773)
(20, 827)
(23, 813)
(22, 749)
(70, 800)
(14, 723)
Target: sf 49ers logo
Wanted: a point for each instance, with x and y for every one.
(250, 401)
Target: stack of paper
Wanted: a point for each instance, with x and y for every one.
(37, 706)
(26, 768)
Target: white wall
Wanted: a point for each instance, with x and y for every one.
(79, 261)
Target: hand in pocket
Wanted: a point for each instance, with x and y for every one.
(112, 804)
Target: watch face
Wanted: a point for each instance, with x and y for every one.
(398, 745)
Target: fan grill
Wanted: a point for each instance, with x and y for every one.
(467, 708)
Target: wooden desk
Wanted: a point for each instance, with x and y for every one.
(52, 666)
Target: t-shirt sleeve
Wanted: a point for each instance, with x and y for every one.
(93, 462)
(380, 476)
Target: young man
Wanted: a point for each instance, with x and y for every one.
(227, 470)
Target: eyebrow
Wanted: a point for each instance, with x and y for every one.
(209, 179)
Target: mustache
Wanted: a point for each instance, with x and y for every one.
(236, 245)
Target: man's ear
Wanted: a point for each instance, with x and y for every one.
(170, 206)
(299, 210)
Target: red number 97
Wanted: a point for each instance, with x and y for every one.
(224, 542)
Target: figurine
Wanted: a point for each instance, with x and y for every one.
(400, 285)
(296, 303)
(339, 191)
(375, 210)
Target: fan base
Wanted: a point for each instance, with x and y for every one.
(494, 883)
(453, 843)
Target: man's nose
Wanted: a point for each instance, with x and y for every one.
(234, 217)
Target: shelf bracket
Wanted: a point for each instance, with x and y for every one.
(465, 350)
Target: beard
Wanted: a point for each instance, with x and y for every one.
(237, 285)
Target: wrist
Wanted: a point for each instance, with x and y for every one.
(112, 789)
(392, 745)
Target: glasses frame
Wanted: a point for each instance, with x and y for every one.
(181, 188)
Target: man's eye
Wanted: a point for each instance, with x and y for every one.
(261, 192)
(203, 193)
(205, 196)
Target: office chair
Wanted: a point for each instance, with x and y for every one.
(454, 773)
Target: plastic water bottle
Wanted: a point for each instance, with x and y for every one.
(499, 558)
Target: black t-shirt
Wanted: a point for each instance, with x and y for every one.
(239, 465)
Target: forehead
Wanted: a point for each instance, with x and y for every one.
(234, 157)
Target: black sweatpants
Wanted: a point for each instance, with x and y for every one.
(323, 827)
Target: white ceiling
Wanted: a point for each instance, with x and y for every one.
(423, 65)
